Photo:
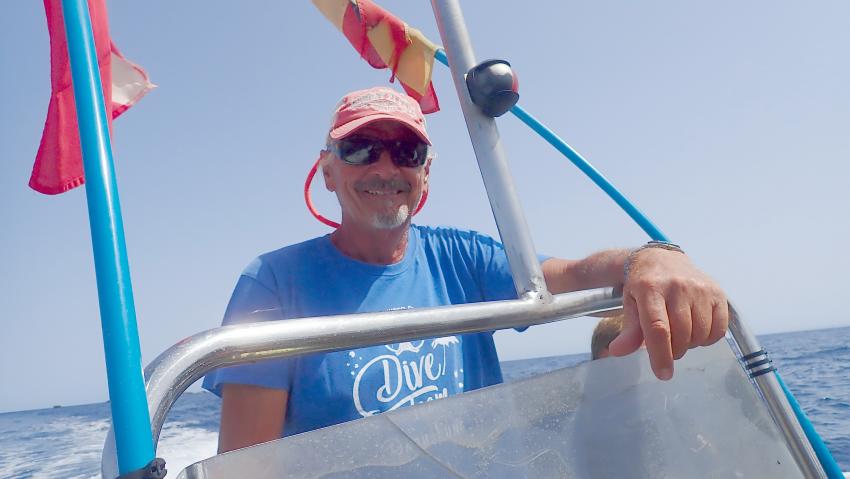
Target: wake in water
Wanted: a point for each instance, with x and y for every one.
(67, 442)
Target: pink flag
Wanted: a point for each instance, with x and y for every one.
(58, 164)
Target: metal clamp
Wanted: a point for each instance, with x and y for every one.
(153, 470)
(758, 363)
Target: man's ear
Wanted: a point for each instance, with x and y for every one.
(330, 185)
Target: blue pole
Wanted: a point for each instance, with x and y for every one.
(130, 417)
(634, 213)
(582, 164)
(831, 467)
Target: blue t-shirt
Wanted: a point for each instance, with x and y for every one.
(441, 266)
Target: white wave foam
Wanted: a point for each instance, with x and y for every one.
(70, 447)
(181, 445)
(74, 449)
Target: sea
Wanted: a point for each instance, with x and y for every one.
(65, 442)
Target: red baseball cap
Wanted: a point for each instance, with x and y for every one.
(362, 107)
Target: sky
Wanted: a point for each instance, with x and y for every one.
(727, 122)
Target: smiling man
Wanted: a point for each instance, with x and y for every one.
(377, 160)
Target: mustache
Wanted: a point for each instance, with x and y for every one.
(396, 184)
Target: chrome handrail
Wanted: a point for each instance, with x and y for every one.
(173, 371)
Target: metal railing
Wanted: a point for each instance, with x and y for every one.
(186, 362)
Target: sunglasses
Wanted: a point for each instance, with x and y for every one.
(365, 151)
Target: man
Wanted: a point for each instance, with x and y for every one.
(377, 163)
(606, 331)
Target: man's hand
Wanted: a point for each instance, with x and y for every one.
(671, 306)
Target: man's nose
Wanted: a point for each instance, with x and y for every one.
(385, 167)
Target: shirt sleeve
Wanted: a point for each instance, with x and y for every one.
(253, 300)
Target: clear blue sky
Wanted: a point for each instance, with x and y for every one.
(727, 122)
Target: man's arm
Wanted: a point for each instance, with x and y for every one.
(668, 303)
(250, 415)
(598, 270)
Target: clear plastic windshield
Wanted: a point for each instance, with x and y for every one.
(600, 419)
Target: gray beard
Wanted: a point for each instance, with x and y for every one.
(388, 221)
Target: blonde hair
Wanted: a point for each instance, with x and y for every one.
(605, 331)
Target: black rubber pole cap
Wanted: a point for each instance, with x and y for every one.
(493, 87)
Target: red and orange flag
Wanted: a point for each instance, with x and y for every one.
(385, 41)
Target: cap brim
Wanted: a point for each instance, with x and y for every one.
(352, 126)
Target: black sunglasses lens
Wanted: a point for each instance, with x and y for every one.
(410, 154)
(357, 151)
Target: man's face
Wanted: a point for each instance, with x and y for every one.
(381, 195)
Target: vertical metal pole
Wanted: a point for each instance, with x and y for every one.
(634, 213)
(128, 401)
(522, 256)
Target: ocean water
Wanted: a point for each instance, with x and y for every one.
(66, 442)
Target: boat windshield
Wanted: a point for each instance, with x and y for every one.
(606, 418)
